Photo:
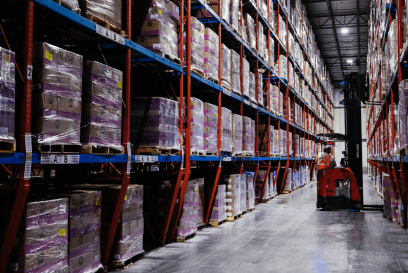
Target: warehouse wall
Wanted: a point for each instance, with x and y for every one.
(339, 128)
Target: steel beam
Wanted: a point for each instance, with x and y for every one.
(336, 15)
(335, 36)
(358, 38)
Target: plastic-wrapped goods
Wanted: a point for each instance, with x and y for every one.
(233, 13)
(57, 92)
(276, 146)
(393, 146)
(196, 46)
(260, 40)
(7, 94)
(296, 145)
(252, 90)
(226, 127)
(189, 215)
(219, 211)
(271, 19)
(84, 231)
(226, 67)
(271, 51)
(248, 136)
(154, 123)
(210, 128)
(236, 134)
(245, 72)
(402, 114)
(196, 124)
(274, 98)
(272, 186)
(233, 195)
(282, 143)
(260, 89)
(291, 77)
(128, 241)
(290, 144)
(287, 110)
(250, 30)
(102, 106)
(235, 72)
(280, 27)
(41, 243)
(288, 181)
(263, 139)
(387, 193)
(211, 53)
(259, 185)
(109, 11)
(250, 195)
(201, 202)
(281, 67)
(243, 193)
(401, 218)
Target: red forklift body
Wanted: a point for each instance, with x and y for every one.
(337, 188)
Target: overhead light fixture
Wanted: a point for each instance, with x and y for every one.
(349, 61)
(344, 30)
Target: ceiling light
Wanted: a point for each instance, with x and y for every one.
(344, 30)
(349, 61)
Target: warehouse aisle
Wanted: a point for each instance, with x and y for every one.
(288, 234)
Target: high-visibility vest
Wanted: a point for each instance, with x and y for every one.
(323, 162)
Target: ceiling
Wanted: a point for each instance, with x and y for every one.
(342, 52)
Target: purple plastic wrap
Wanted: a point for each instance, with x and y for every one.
(211, 53)
(102, 108)
(233, 190)
(109, 11)
(248, 137)
(154, 122)
(41, 243)
(226, 141)
(196, 124)
(226, 67)
(189, 214)
(218, 213)
(197, 46)
(235, 72)
(201, 202)
(210, 128)
(236, 135)
(7, 95)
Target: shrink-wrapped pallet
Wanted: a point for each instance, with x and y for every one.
(107, 11)
(402, 114)
(236, 135)
(154, 123)
(271, 51)
(128, 241)
(57, 92)
(226, 67)
(260, 90)
(245, 72)
(248, 137)
(196, 124)
(196, 46)
(226, 127)
(201, 202)
(250, 30)
(211, 54)
(233, 194)
(259, 185)
(235, 72)
(272, 186)
(281, 67)
(243, 193)
(189, 215)
(219, 212)
(7, 95)
(282, 143)
(276, 146)
(264, 139)
(388, 194)
(250, 196)
(234, 13)
(41, 243)
(210, 128)
(274, 98)
(393, 144)
(101, 122)
(288, 181)
(252, 90)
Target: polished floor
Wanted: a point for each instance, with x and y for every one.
(288, 234)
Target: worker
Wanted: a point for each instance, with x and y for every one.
(326, 160)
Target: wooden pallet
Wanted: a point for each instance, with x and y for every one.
(216, 224)
(59, 148)
(265, 200)
(105, 24)
(154, 151)
(89, 149)
(122, 265)
(286, 191)
(200, 153)
(232, 219)
(199, 73)
(8, 147)
(213, 154)
(208, 77)
(201, 227)
(182, 239)
(249, 210)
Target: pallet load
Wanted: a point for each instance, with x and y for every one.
(187, 224)
(250, 196)
(281, 67)
(128, 241)
(84, 231)
(272, 186)
(226, 67)
(201, 203)
(196, 45)
(226, 127)
(154, 124)
(264, 138)
(210, 128)
(235, 72)
(288, 182)
(159, 29)
(393, 145)
(271, 50)
(211, 54)
(400, 211)
(41, 243)
(283, 151)
(260, 92)
(108, 12)
(56, 99)
(243, 193)
(276, 146)
(252, 90)
(219, 211)
(259, 185)
(236, 135)
(196, 125)
(234, 14)
(274, 98)
(233, 196)
(402, 114)
(245, 76)
(250, 30)
(280, 27)
(248, 136)
(101, 123)
(71, 4)
(7, 95)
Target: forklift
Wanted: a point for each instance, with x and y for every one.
(342, 187)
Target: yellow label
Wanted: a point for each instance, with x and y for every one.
(97, 202)
(120, 84)
(5, 58)
(195, 103)
(160, 12)
(125, 197)
(196, 190)
(48, 56)
(61, 232)
(317, 181)
(216, 114)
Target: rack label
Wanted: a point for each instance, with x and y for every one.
(110, 34)
(29, 156)
(226, 159)
(129, 159)
(59, 159)
(146, 159)
(29, 72)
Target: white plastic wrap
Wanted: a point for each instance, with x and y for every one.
(109, 11)
(235, 72)
(219, 212)
(271, 51)
(196, 125)
(7, 94)
(211, 53)
(233, 190)
(188, 220)
(226, 141)
(248, 138)
(210, 128)
(250, 30)
(226, 67)
(281, 67)
(236, 134)
(288, 181)
(260, 90)
(197, 46)
(250, 197)
(274, 98)
(233, 13)
(243, 193)
(245, 72)
(252, 90)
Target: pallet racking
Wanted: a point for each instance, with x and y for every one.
(127, 54)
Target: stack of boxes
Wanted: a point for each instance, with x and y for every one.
(197, 46)
(288, 180)
(211, 54)
(236, 135)
(188, 220)
(260, 99)
(196, 125)
(201, 202)
(102, 106)
(388, 194)
(259, 185)
(248, 137)
(250, 197)
(226, 127)
(159, 30)
(233, 188)
(56, 98)
(218, 213)
(109, 11)
(226, 67)
(243, 193)
(154, 122)
(250, 30)
(235, 72)
(210, 128)
(402, 114)
(233, 14)
(252, 90)
(245, 72)
(7, 94)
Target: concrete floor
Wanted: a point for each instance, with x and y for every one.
(288, 234)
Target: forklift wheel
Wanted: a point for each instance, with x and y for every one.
(327, 207)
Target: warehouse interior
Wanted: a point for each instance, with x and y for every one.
(203, 136)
